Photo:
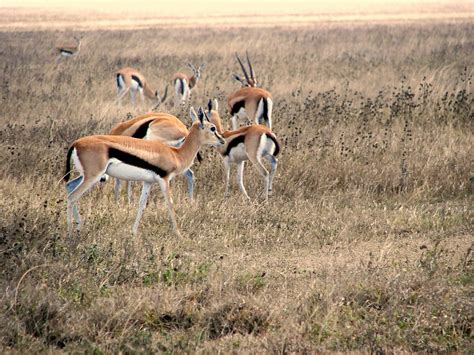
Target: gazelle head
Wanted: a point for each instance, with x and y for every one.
(207, 130)
(250, 81)
(159, 99)
(196, 71)
(78, 39)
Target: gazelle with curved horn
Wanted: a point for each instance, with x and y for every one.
(184, 83)
(249, 101)
(131, 80)
(133, 159)
(161, 127)
(68, 50)
(254, 143)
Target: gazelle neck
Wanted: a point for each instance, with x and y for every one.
(187, 152)
(216, 120)
(193, 81)
(148, 92)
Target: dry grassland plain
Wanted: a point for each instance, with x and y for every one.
(365, 244)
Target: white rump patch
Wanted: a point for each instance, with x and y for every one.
(77, 162)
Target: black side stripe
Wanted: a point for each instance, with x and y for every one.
(237, 106)
(182, 86)
(234, 143)
(66, 51)
(142, 130)
(131, 159)
(277, 145)
(137, 79)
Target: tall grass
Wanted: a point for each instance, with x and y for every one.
(366, 244)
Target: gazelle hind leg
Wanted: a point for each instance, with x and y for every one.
(75, 195)
(240, 178)
(274, 163)
(256, 160)
(72, 211)
(141, 205)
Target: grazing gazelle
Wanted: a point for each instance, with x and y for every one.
(249, 101)
(184, 84)
(134, 159)
(246, 143)
(161, 127)
(68, 50)
(131, 80)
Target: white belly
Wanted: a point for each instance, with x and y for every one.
(238, 154)
(123, 171)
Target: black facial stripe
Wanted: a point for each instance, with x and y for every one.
(234, 143)
(237, 106)
(131, 159)
(137, 79)
(142, 130)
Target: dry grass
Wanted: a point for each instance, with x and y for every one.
(365, 244)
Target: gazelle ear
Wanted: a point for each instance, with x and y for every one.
(239, 79)
(215, 105)
(193, 114)
(202, 66)
(201, 117)
(209, 106)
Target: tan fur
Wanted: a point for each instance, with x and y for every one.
(190, 79)
(69, 47)
(127, 78)
(251, 96)
(92, 152)
(252, 136)
(165, 127)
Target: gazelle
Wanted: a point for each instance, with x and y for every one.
(184, 84)
(67, 50)
(252, 143)
(161, 127)
(134, 159)
(131, 80)
(249, 101)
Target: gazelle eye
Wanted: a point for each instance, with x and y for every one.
(213, 129)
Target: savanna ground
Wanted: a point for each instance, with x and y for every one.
(365, 245)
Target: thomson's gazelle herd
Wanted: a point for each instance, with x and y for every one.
(157, 146)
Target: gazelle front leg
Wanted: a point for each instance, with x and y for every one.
(117, 186)
(226, 176)
(129, 191)
(141, 205)
(165, 188)
(190, 176)
(240, 178)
